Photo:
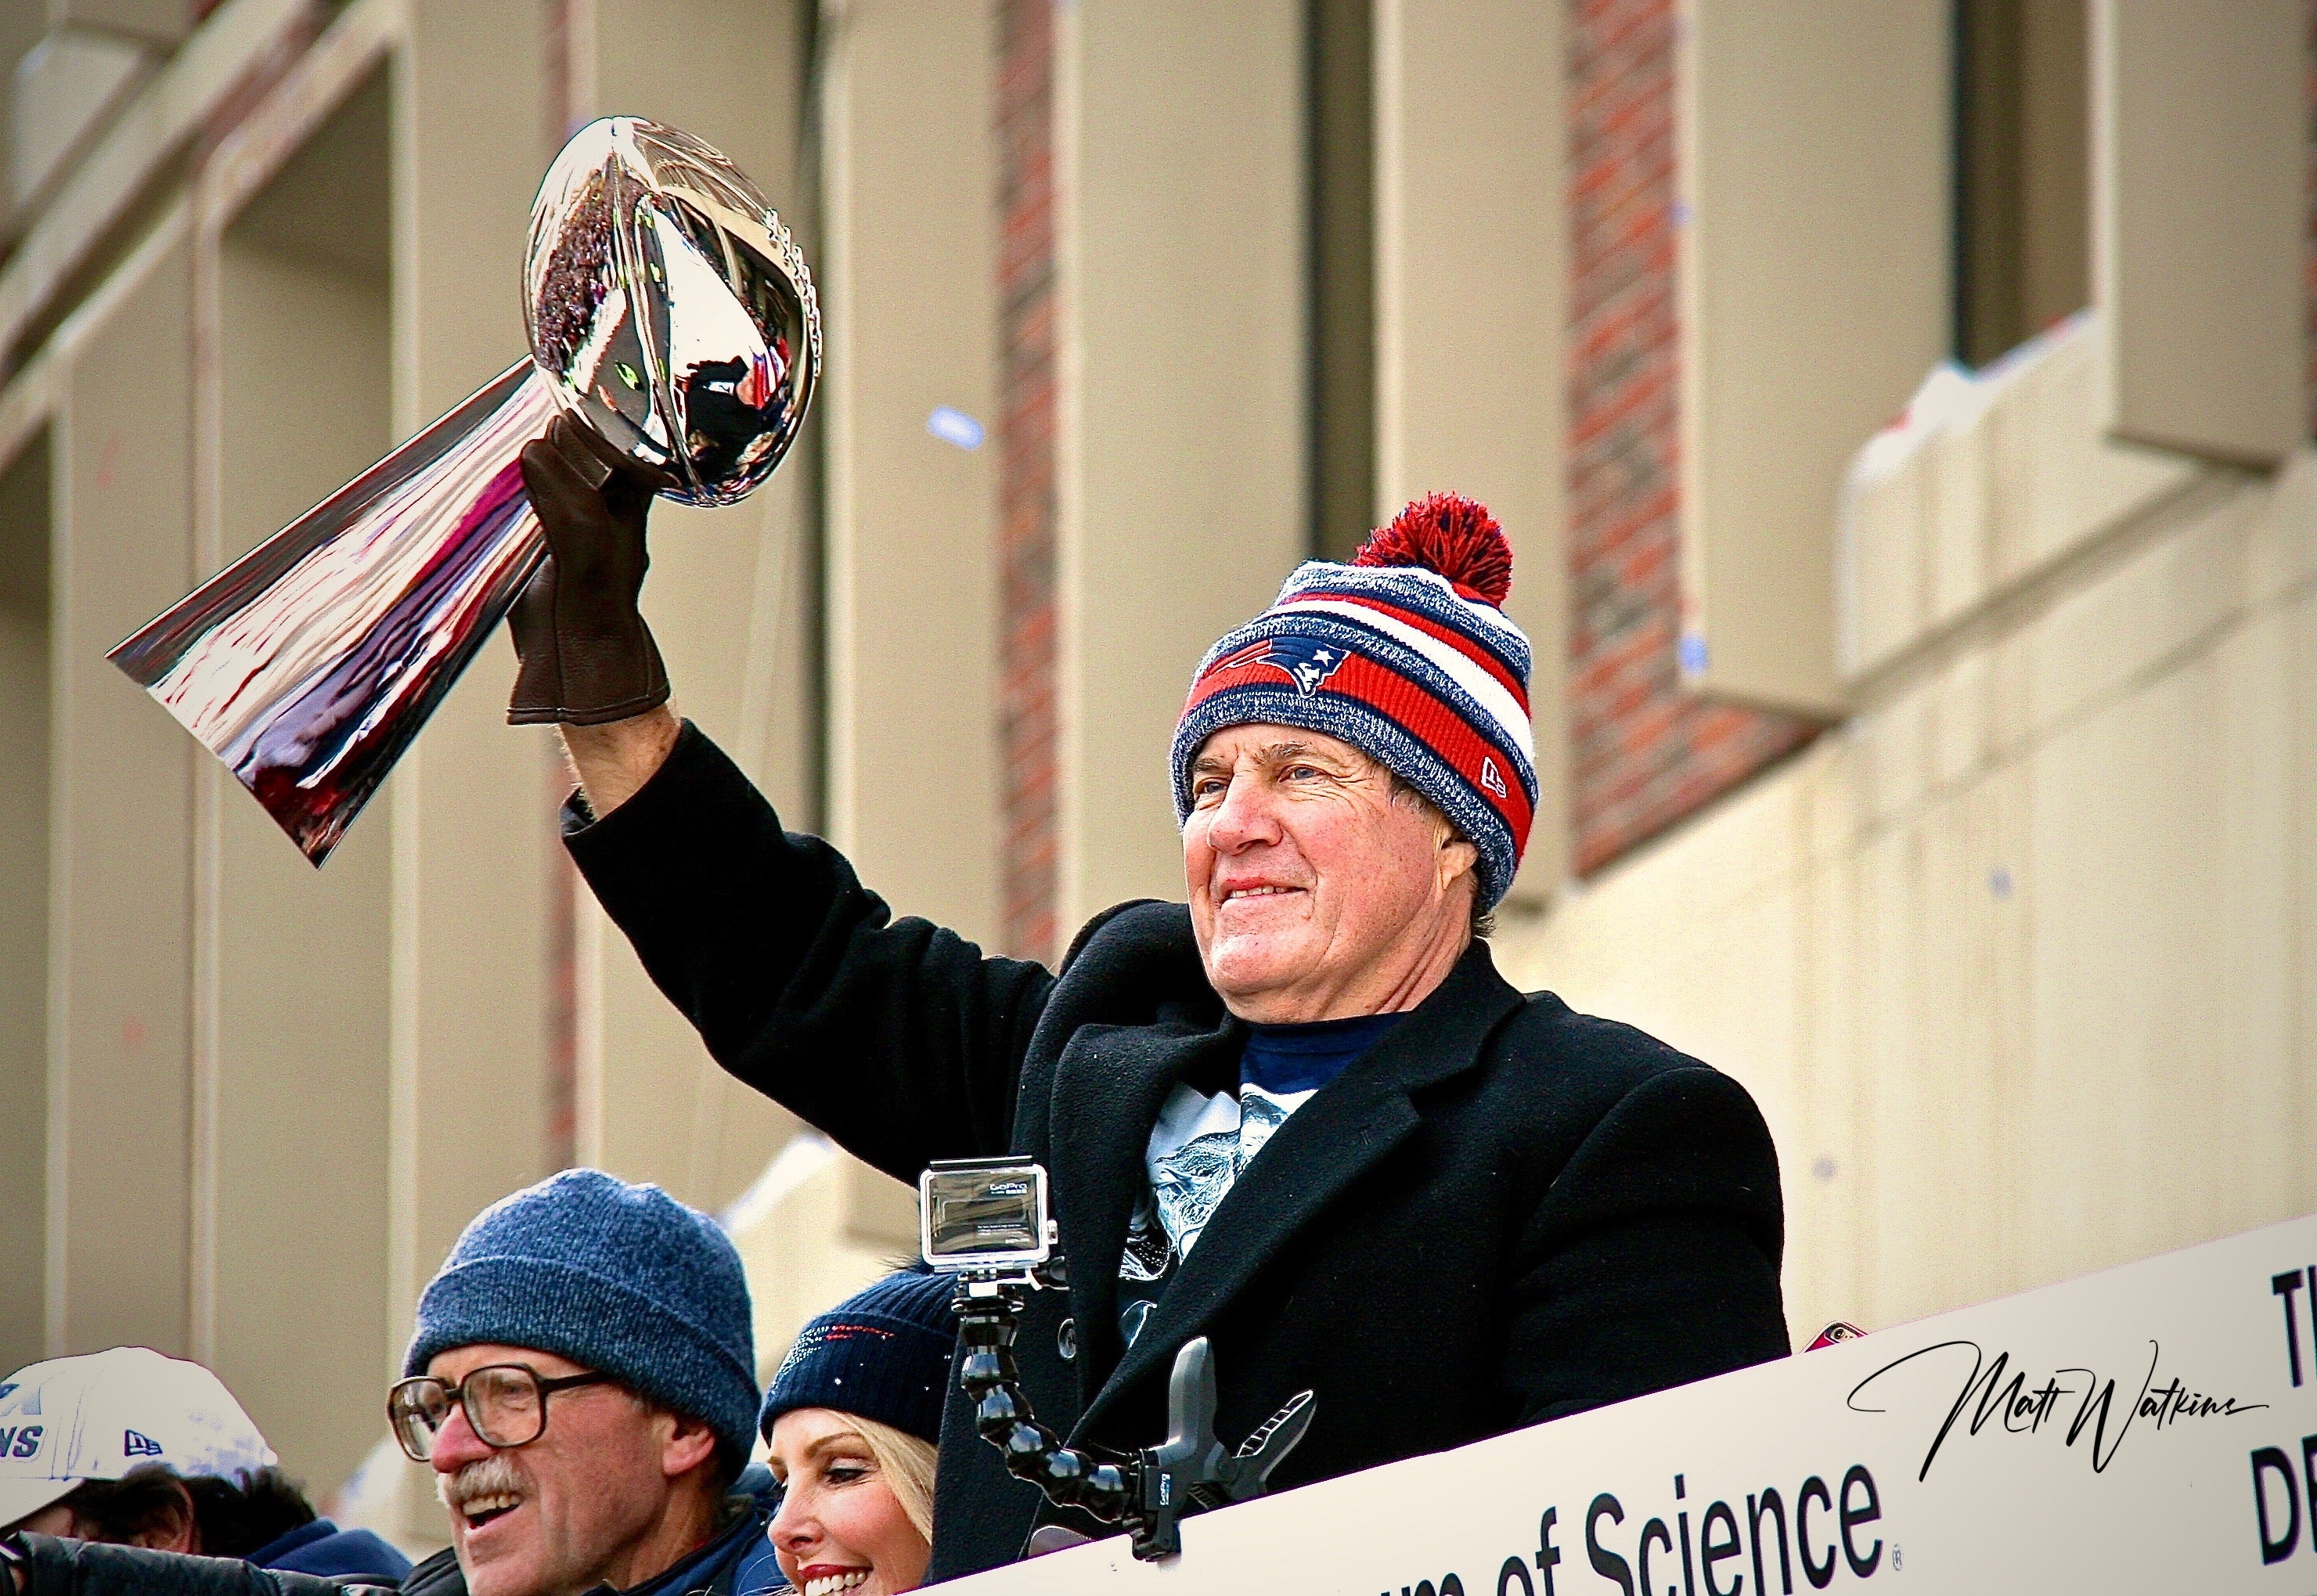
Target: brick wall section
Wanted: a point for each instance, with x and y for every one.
(1025, 440)
(1644, 753)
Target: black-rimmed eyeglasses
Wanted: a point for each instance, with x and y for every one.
(505, 1405)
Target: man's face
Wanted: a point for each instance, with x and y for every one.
(583, 1505)
(56, 1519)
(1315, 893)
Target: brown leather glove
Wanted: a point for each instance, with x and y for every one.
(586, 655)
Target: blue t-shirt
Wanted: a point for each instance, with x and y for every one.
(1283, 1059)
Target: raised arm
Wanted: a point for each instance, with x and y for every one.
(614, 761)
(897, 1038)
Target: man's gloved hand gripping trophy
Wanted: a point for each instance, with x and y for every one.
(674, 341)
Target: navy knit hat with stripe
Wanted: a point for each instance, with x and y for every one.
(621, 1279)
(881, 1355)
(1407, 654)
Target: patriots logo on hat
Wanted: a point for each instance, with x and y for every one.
(1305, 662)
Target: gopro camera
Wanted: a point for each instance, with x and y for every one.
(986, 1218)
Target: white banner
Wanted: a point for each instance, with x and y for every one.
(2149, 1429)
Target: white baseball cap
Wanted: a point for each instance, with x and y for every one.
(99, 1416)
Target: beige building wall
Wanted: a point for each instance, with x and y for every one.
(1812, 270)
(1179, 254)
(291, 979)
(729, 601)
(118, 1013)
(2016, 960)
(909, 130)
(2199, 223)
(1470, 356)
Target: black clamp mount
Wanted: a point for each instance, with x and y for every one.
(1148, 1491)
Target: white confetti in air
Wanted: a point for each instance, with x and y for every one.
(954, 426)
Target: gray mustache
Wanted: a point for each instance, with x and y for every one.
(486, 1476)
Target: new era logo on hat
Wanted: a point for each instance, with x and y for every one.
(97, 1417)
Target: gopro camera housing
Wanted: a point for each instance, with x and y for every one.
(986, 1218)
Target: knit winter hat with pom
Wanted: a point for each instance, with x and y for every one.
(1406, 654)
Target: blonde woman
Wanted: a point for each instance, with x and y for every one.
(854, 1420)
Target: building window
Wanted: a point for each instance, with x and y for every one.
(1340, 137)
(2022, 171)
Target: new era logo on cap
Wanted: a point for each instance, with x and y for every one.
(97, 1417)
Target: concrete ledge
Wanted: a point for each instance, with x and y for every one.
(196, 85)
(1947, 512)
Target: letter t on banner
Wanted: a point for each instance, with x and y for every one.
(2284, 1285)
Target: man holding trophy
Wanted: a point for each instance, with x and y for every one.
(1300, 1118)
(1472, 1210)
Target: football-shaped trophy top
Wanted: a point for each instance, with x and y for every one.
(669, 307)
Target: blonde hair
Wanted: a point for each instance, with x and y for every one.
(907, 1465)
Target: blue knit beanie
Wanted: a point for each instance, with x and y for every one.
(621, 1278)
(882, 1354)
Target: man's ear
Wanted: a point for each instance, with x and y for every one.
(1457, 857)
(690, 1442)
(172, 1527)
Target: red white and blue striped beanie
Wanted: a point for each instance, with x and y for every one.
(1406, 654)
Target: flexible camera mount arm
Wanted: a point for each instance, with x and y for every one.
(1149, 1492)
(1100, 1484)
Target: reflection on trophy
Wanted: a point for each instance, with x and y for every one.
(667, 308)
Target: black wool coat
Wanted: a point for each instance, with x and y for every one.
(1507, 1212)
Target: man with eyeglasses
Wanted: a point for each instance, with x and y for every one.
(582, 1378)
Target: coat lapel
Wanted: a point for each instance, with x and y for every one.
(1108, 1089)
(1347, 1127)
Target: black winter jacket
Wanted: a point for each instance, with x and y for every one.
(1506, 1213)
(737, 1561)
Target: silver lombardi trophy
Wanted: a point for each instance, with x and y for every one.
(668, 310)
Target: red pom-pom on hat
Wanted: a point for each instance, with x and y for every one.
(1454, 535)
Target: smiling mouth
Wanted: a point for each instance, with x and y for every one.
(1237, 894)
(480, 1510)
(829, 1582)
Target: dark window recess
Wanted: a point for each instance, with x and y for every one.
(1340, 138)
(26, 695)
(2022, 171)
